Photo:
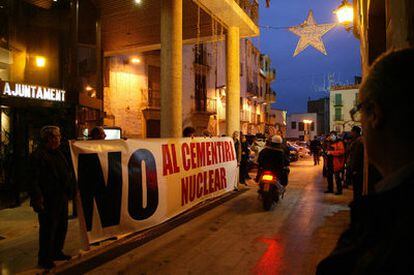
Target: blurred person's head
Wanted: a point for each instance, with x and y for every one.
(189, 131)
(50, 137)
(276, 141)
(333, 136)
(236, 135)
(97, 133)
(356, 131)
(386, 109)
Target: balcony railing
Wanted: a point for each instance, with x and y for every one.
(271, 74)
(207, 105)
(270, 97)
(339, 118)
(251, 8)
(151, 98)
(252, 89)
(245, 115)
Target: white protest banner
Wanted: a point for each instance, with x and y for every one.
(129, 186)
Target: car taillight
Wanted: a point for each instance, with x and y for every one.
(267, 177)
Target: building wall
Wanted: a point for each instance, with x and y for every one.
(383, 25)
(278, 120)
(342, 121)
(215, 73)
(123, 99)
(321, 107)
(124, 102)
(294, 132)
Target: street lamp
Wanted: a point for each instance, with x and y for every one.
(40, 61)
(345, 14)
(135, 60)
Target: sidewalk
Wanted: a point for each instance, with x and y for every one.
(19, 240)
(307, 223)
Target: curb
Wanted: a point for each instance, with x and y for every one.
(100, 255)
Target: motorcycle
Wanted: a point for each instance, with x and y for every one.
(270, 189)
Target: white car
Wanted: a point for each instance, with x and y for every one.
(302, 151)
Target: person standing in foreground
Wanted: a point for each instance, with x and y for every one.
(380, 237)
(355, 165)
(337, 151)
(245, 152)
(51, 188)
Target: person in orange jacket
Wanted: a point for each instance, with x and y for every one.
(337, 151)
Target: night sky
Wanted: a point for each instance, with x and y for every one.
(307, 74)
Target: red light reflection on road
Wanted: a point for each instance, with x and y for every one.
(271, 260)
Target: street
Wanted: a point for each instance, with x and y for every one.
(238, 237)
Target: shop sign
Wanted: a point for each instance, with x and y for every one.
(31, 91)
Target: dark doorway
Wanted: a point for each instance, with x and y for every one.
(153, 128)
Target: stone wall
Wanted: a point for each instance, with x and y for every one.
(123, 97)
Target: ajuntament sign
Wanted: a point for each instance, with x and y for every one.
(11, 89)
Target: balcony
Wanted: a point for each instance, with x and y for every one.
(207, 105)
(245, 116)
(243, 14)
(252, 89)
(251, 8)
(338, 103)
(270, 97)
(339, 118)
(271, 75)
(151, 99)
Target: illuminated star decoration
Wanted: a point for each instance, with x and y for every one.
(311, 34)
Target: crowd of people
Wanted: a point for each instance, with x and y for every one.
(343, 160)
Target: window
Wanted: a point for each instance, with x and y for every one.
(301, 126)
(338, 114)
(293, 124)
(338, 99)
(4, 24)
(312, 126)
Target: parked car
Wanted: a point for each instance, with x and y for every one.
(293, 153)
(303, 151)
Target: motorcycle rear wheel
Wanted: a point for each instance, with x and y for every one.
(267, 201)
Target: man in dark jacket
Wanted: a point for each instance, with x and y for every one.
(380, 237)
(245, 153)
(51, 188)
(355, 165)
(315, 148)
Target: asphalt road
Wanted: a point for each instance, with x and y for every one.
(238, 237)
